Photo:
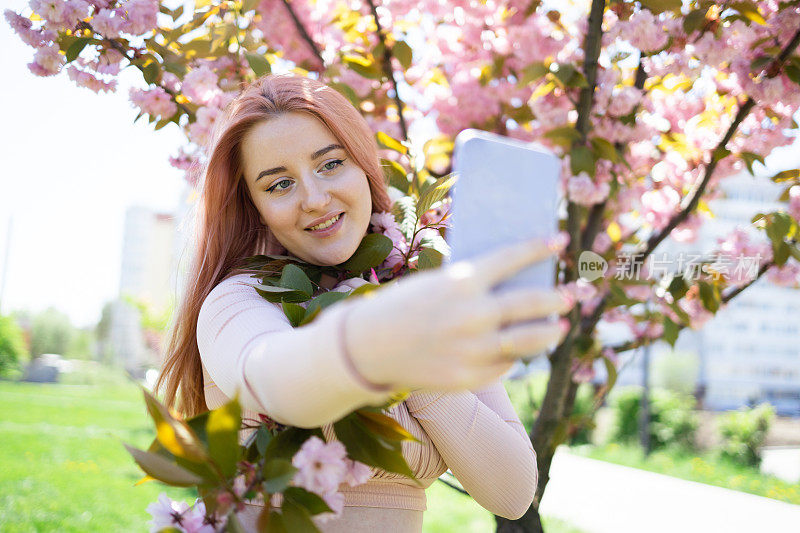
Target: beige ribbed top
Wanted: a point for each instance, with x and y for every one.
(248, 345)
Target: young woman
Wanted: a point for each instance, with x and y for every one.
(294, 169)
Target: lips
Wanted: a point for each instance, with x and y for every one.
(326, 218)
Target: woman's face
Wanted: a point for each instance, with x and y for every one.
(306, 187)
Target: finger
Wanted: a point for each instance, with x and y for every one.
(517, 305)
(498, 265)
(527, 340)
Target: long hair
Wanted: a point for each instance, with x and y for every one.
(228, 227)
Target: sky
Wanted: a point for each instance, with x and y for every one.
(72, 162)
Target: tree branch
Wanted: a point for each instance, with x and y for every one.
(304, 33)
(454, 486)
(388, 71)
(633, 344)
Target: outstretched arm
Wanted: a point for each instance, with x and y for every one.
(297, 376)
(483, 442)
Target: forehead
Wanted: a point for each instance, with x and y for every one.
(284, 140)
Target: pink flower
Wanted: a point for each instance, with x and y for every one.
(201, 129)
(166, 513)
(385, 223)
(794, 202)
(201, 85)
(47, 61)
(155, 102)
(23, 27)
(584, 191)
(141, 15)
(787, 275)
(578, 291)
(321, 466)
(357, 473)
(659, 205)
(624, 100)
(85, 79)
(335, 501)
(582, 371)
(108, 23)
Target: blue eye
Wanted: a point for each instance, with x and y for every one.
(287, 181)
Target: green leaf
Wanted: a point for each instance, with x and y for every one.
(162, 469)
(174, 435)
(151, 71)
(786, 175)
(293, 312)
(364, 446)
(749, 11)
(611, 370)
(385, 141)
(403, 53)
(371, 252)
(385, 426)
(436, 192)
(563, 135)
(277, 474)
(671, 331)
(308, 500)
(659, 6)
(581, 159)
(310, 316)
(604, 149)
(570, 76)
(395, 175)
(263, 436)
(223, 436)
(249, 5)
(792, 72)
(709, 294)
(325, 299)
(429, 258)
(533, 72)
(720, 153)
(749, 158)
(293, 277)
(277, 294)
(405, 214)
(76, 47)
(286, 443)
(694, 21)
(363, 66)
(258, 63)
(780, 253)
(297, 518)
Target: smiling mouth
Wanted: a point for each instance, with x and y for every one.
(326, 224)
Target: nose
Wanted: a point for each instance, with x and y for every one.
(316, 196)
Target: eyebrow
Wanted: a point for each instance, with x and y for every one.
(315, 155)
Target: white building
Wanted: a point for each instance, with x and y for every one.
(150, 253)
(750, 351)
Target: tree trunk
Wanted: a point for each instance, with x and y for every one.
(530, 522)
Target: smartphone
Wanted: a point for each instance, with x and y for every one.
(506, 191)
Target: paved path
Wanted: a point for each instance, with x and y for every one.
(600, 497)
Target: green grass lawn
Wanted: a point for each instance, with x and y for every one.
(703, 468)
(63, 467)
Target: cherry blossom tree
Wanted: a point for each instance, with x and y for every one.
(650, 105)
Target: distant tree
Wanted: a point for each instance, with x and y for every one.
(51, 332)
(102, 332)
(81, 345)
(13, 349)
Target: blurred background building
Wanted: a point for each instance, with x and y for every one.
(152, 248)
(750, 351)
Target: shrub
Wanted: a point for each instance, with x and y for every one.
(672, 417)
(676, 371)
(743, 433)
(13, 350)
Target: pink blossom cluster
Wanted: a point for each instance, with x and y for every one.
(179, 516)
(642, 30)
(583, 190)
(323, 466)
(154, 102)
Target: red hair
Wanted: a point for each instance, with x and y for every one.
(228, 227)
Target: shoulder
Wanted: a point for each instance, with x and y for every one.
(231, 290)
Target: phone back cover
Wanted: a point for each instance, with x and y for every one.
(506, 192)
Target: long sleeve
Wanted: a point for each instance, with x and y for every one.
(483, 442)
(297, 376)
